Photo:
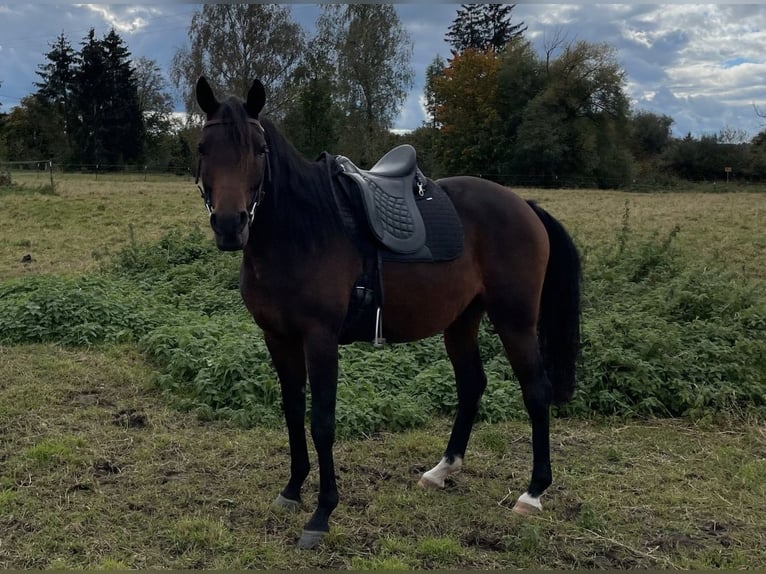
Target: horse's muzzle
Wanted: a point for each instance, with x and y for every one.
(231, 230)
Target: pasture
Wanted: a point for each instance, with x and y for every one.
(120, 446)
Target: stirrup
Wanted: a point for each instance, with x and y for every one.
(378, 341)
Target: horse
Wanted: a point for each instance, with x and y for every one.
(518, 266)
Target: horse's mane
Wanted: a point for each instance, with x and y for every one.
(233, 116)
(304, 205)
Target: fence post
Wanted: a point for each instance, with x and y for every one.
(50, 169)
(145, 168)
(96, 172)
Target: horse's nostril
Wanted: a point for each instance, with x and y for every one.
(213, 220)
(243, 218)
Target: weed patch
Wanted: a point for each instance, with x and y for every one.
(662, 336)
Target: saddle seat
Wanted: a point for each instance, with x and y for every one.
(388, 194)
(399, 162)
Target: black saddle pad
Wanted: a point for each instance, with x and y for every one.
(444, 231)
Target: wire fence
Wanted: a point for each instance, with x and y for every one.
(48, 170)
(98, 172)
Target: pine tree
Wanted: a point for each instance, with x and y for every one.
(483, 27)
(111, 126)
(57, 86)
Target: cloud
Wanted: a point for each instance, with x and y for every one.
(124, 19)
(702, 64)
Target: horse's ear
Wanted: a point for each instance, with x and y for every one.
(205, 97)
(256, 97)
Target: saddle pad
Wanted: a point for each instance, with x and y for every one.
(444, 231)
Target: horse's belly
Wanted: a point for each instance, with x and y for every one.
(421, 300)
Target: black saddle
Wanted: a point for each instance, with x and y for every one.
(388, 198)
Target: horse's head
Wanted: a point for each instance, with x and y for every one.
(232, 165)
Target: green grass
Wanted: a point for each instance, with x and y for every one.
(100, 470)
(177, 493)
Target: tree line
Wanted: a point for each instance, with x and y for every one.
(497, 107)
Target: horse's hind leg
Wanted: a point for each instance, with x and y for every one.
(461, 341)
(521, 346)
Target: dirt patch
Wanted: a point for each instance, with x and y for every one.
(103, 467)
(130, 418)
(483, 541)
(673, 541)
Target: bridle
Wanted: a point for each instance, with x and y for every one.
(257, 197)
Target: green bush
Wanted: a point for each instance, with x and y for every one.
(661, 336)
(81, 311)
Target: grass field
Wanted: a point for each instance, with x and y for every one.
(98, 470)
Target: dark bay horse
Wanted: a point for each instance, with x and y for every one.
(518, 265)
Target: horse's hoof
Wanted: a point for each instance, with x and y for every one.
(282, 503)
(525, 509)
(428, 484)
(311, 539)
(527, 505)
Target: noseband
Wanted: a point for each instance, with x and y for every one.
(257, 198)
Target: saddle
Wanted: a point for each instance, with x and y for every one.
(387, 195)
(393, 213)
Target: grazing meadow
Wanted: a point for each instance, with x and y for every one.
(140, 417)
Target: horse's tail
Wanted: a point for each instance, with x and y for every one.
(559, 320)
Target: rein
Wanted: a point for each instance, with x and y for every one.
(257, 198)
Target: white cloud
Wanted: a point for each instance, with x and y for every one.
(124, 19)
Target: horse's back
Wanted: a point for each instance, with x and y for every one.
(496, 215)
(505, 252)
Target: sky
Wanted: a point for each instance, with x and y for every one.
(704, 65)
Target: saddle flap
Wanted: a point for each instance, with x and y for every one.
(389, 200)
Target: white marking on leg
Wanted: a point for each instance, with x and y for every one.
(437, 474)
(527, 504)
(527, 498)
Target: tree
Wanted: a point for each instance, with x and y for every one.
(111, 127)
(650, 133)
(32, 132)
(56, 90)
(483, 27)
(549, 118)
(154, 100)
(434, 70)
(467, 111)
(371, 52)
(155, 105)
(313, 119)
(520, 78)
(585, 86)
(232, 44)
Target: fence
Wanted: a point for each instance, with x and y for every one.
(114, 172)
(98, 172)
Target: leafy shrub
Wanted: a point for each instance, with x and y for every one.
(82, 311)
(661, 336)
(666, 336)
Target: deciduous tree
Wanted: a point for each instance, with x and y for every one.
(371, 52)
(313, 119)
(232, 44)
(467, 111)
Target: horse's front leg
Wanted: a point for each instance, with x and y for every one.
(289, 362)
(321, 349)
